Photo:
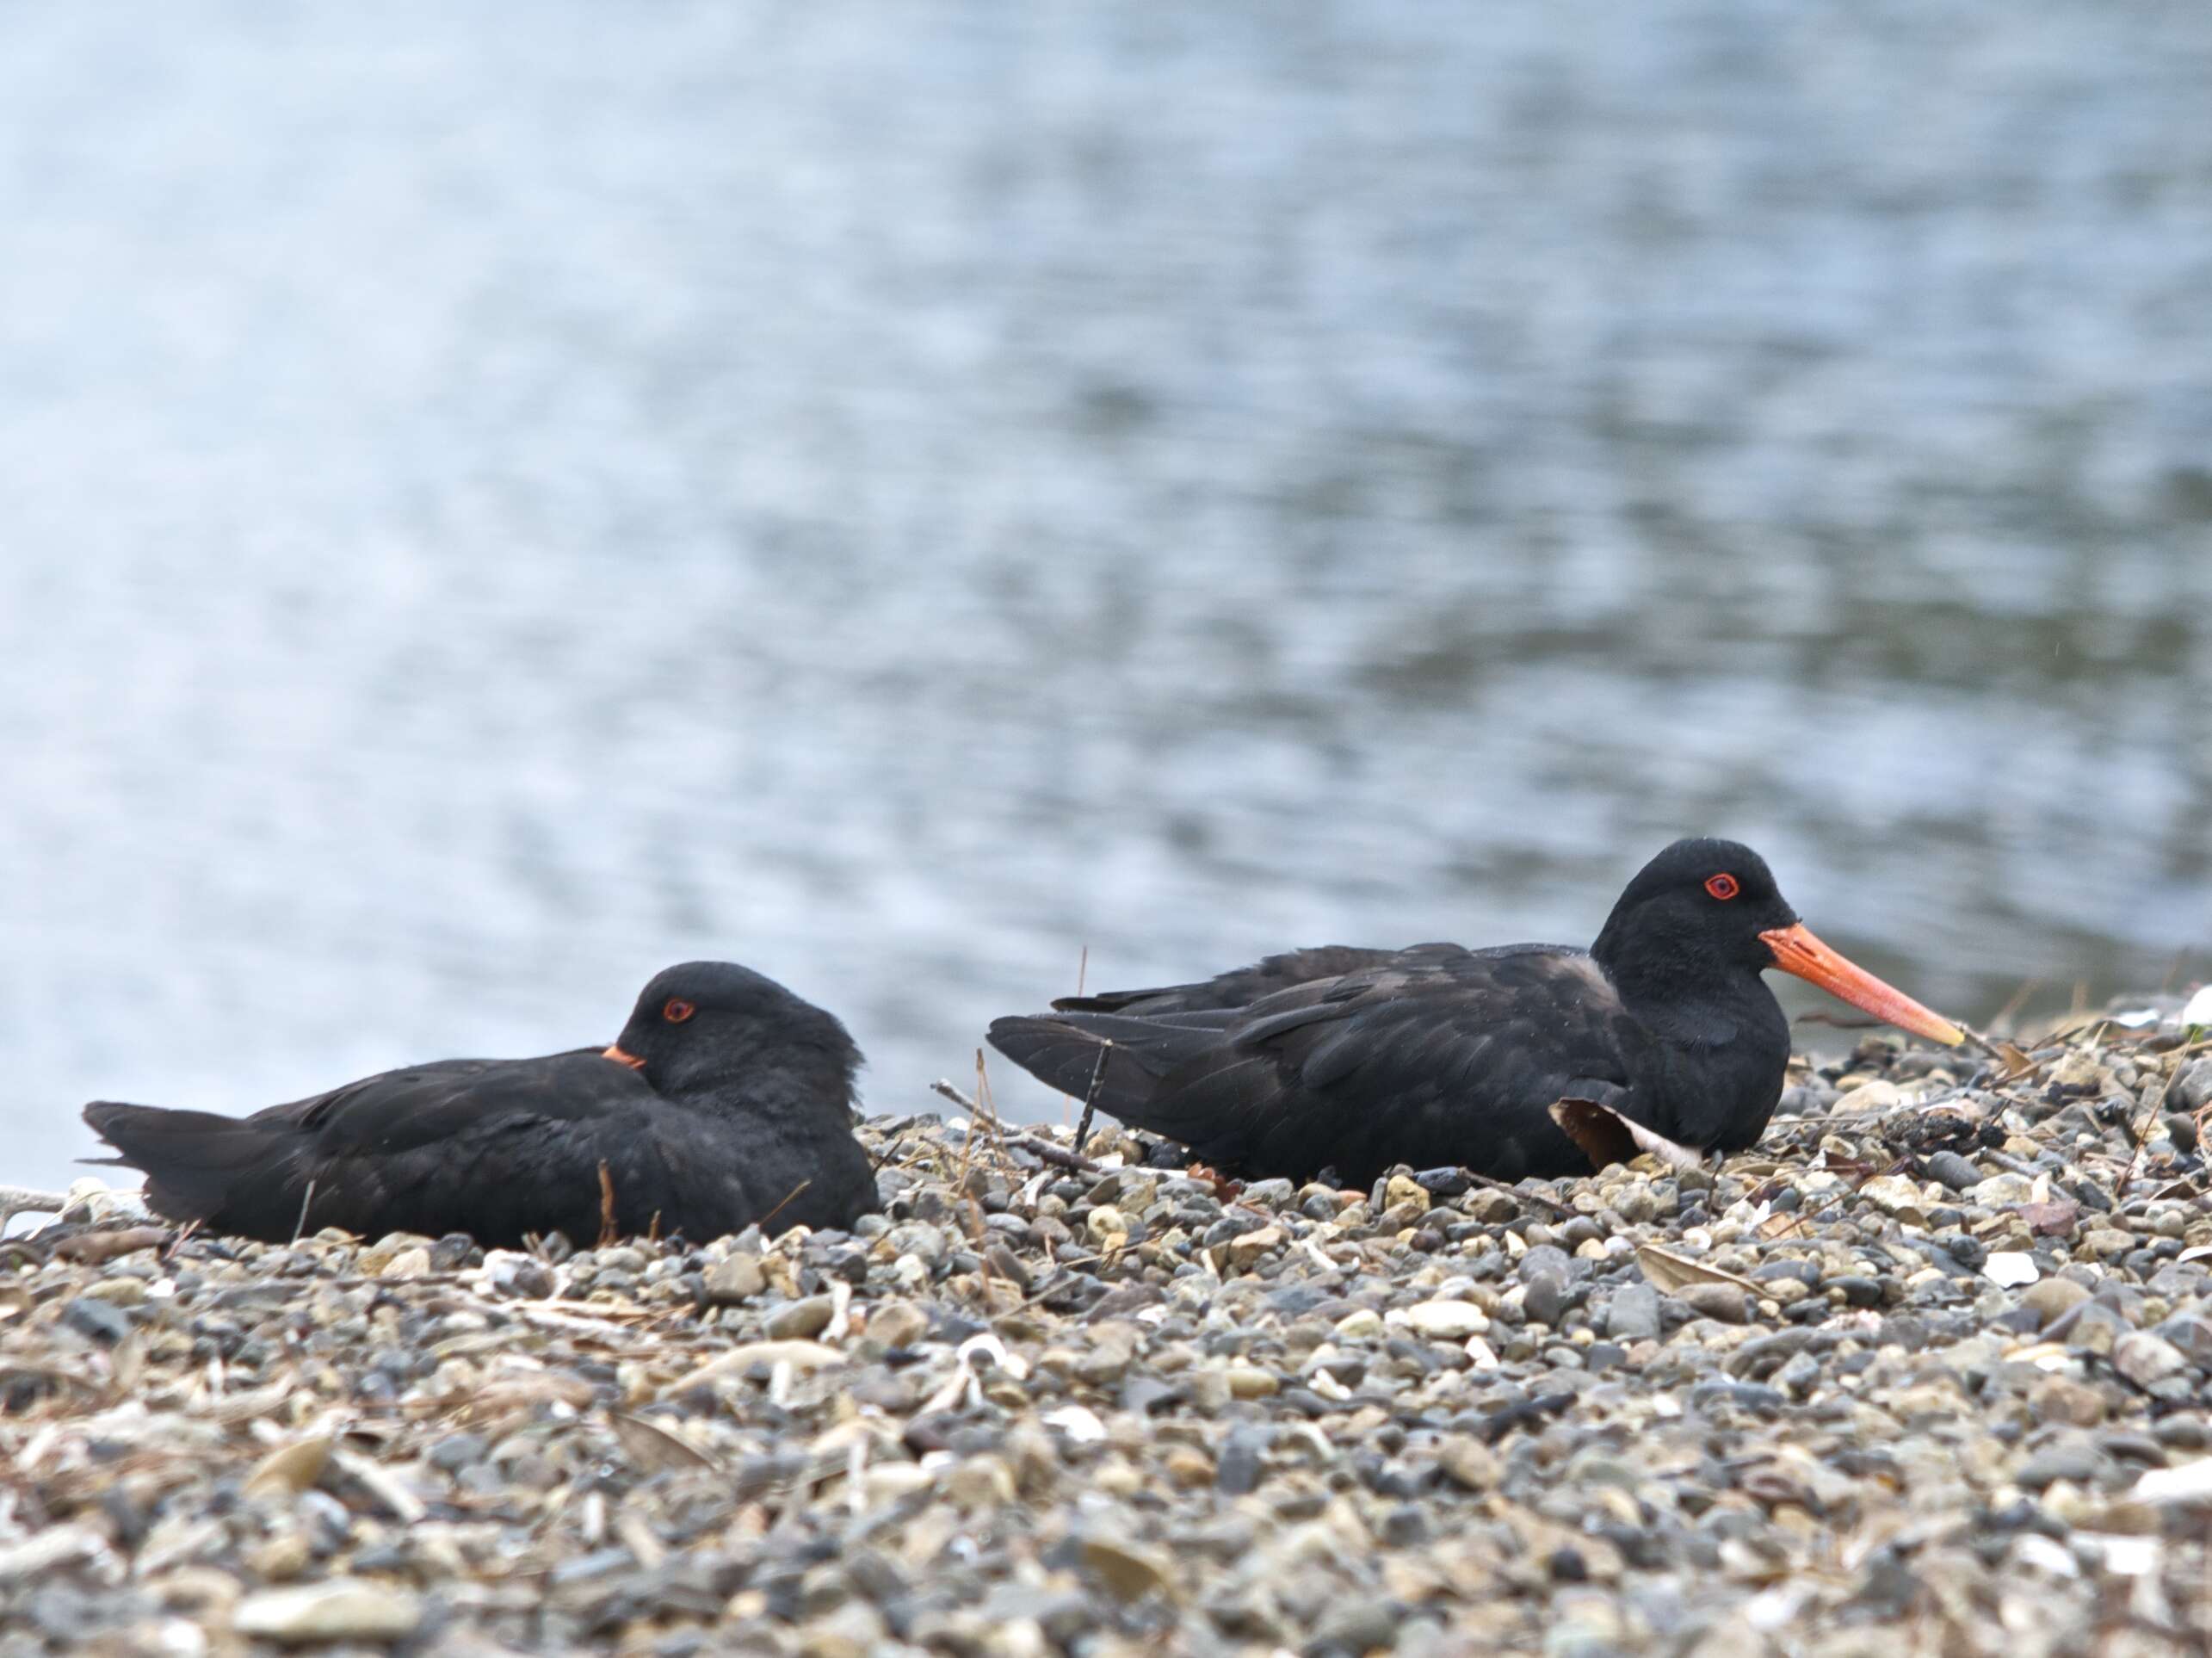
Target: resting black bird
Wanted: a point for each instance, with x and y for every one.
(1661, 1035)
(726, 1100)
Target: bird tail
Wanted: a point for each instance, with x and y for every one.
(1116, 1061)
(192, 1160)
(1109, 1001)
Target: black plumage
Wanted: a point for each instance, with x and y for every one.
(726, 1100)
(1242, 986)
(1438, 1055)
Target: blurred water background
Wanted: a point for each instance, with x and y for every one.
(496, 499)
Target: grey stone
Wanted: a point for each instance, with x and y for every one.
(1634, 1314)
(1952, 1170)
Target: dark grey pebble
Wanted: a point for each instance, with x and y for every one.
(101, 1320)
(2079, 1463)
(1952, 1170)
(1236, 1469)
(1634, 1314)
(456, 1451)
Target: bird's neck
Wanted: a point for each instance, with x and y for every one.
(786, 1092)
(1685, 998)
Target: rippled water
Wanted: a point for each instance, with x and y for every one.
(493, 502)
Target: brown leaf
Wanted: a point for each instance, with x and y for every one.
(654, 1449)
(1673, 1273)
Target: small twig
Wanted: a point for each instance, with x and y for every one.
(2010, 1011)
(1035, 1145)
(1559, 1210)
(987, 1107)
(607, 1232)
(967, 1141)
(780, 1208)
(1091, 1095)
(1058, 1156)
(2139, 1133)
(307, 1198)
(182, 1237)
(944, 1088)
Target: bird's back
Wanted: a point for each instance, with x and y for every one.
(1447, 1058)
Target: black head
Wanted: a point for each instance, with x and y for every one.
(1693, 914)
(708, 1025)
(1705, 912)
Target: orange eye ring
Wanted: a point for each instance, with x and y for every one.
(677, 1009)
(1722, 886)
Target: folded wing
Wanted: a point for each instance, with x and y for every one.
(1447, 1059)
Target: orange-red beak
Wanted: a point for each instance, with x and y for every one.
(616, 1055)
(1796, 950)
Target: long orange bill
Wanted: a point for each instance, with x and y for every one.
(1796, 950)
(616, 1055)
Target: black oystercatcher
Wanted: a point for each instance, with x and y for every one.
(1661, 1035)
(726, 1100)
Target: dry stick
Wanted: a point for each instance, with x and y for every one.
(300, 1225)
(2139, 1134)
(1081, 982)
(968, 1143)
(607, 1233)
(1037, 1146)
(788, 1197)
(1091, 1095)
(183, 1237)
(987, 1107)
(1560, 1210)
(2010, 1011)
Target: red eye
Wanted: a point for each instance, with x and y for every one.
(1722, 886)
(678, 1010)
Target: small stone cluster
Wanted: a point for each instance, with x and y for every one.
(1927, 1372)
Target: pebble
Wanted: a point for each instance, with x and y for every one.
(735, 1279)
(1634, 1315)
(1952, 1170)
(800, 1321)
(338, 1609)
(102, 1320)
(1723, 1302)
(1469, 1463)
(1444, 1416)
(1130, 1570)
(2145, 1358)
(2053, 1297)
(1443, 1320)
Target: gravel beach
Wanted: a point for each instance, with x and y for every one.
(1925, 1372)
